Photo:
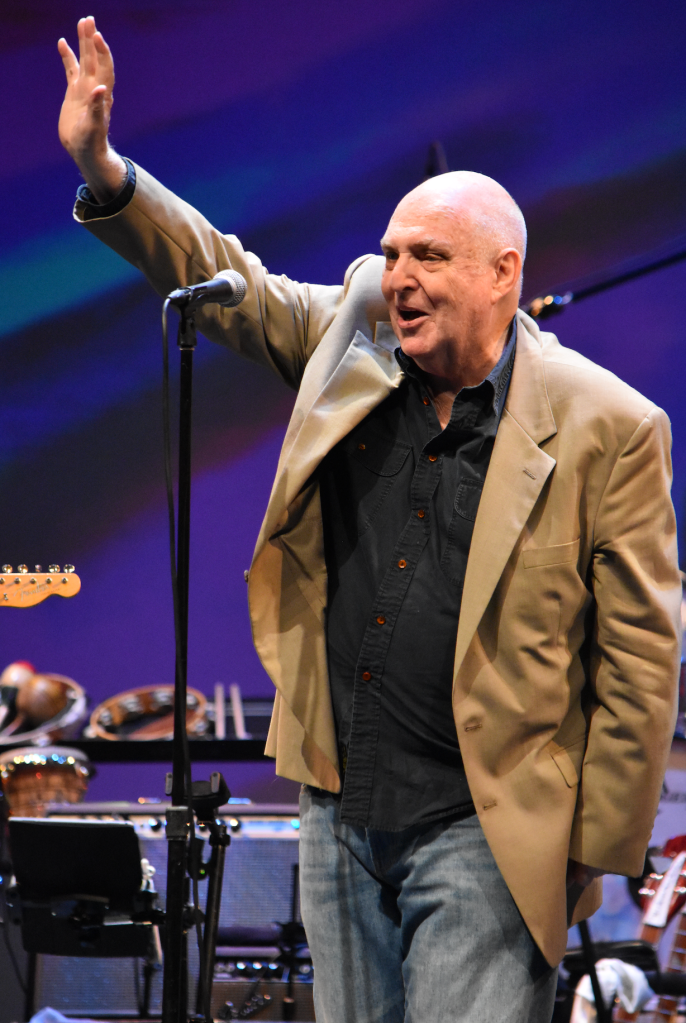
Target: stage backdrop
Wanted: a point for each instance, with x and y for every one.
(297, 126)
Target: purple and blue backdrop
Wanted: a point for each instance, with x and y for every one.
(297, 126)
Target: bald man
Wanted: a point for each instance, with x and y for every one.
(464, 589)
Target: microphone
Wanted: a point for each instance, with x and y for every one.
(228, 288)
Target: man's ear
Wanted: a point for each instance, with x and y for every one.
(508, 271)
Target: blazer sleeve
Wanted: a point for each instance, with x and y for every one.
(279, 323)
(634, 656)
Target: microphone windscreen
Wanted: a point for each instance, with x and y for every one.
(239, 284)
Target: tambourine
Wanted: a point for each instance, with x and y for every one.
(146, 713)
(48, 708)
(33, 777)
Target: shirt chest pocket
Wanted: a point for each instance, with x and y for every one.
(374, 468)
(460, 529)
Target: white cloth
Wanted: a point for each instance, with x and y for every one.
(616, 978)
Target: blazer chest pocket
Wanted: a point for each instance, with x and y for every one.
(544, 557)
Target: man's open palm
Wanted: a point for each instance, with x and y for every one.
(85, 115)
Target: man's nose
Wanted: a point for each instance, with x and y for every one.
(402, 277)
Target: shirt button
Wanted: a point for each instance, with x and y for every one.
(402, 563)
(426, 400)
(361, 447)
(432, 458)
(366, 675)
(381, 620)
(421, 513)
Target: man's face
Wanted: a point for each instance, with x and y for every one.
(438, 289)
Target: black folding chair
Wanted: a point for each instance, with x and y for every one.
(79, 890)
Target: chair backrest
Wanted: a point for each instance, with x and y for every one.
(53, 858)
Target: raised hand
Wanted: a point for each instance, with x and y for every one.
(85, 115)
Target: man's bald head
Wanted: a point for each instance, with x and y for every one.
(454, 249)
(491, 218)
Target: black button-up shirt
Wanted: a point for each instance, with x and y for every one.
(399, 500)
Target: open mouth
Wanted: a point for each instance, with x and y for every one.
(408, 315)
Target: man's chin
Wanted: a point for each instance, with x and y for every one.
(414, 344)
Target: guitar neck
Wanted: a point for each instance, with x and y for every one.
(667, 1005)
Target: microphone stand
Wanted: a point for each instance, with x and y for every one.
(228, 288)
(179, 814)
(188, 798)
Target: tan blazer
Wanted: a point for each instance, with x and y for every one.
(567, 653)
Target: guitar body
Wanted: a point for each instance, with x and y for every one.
(663, 896)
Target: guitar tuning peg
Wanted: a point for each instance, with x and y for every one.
(37, 568)
(69, 568)
(23, 569)
(6, 569)
(53, 568)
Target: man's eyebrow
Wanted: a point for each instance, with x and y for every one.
(420, 244)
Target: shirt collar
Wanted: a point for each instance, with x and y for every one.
(498, 378)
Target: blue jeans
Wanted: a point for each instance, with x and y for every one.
(414, 926)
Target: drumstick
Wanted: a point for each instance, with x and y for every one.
(237, 710)
(219, 712)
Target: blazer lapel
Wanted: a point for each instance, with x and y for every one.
(516, 475)
(365, 375)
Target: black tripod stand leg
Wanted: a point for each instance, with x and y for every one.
(291, 958)
(173, 994)
(603, 1013)
(144, 1011)
(219, 841)
(29, 1005)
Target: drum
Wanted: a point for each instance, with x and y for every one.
(34, 776)
(146, 713)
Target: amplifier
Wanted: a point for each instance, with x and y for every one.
(267, 1000)
(257, 892)
(254, 983)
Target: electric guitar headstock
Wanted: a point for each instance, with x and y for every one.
(24, 588)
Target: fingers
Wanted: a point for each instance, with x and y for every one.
(87, 56)
(100, 44)
(71, 64)
(104, 59)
